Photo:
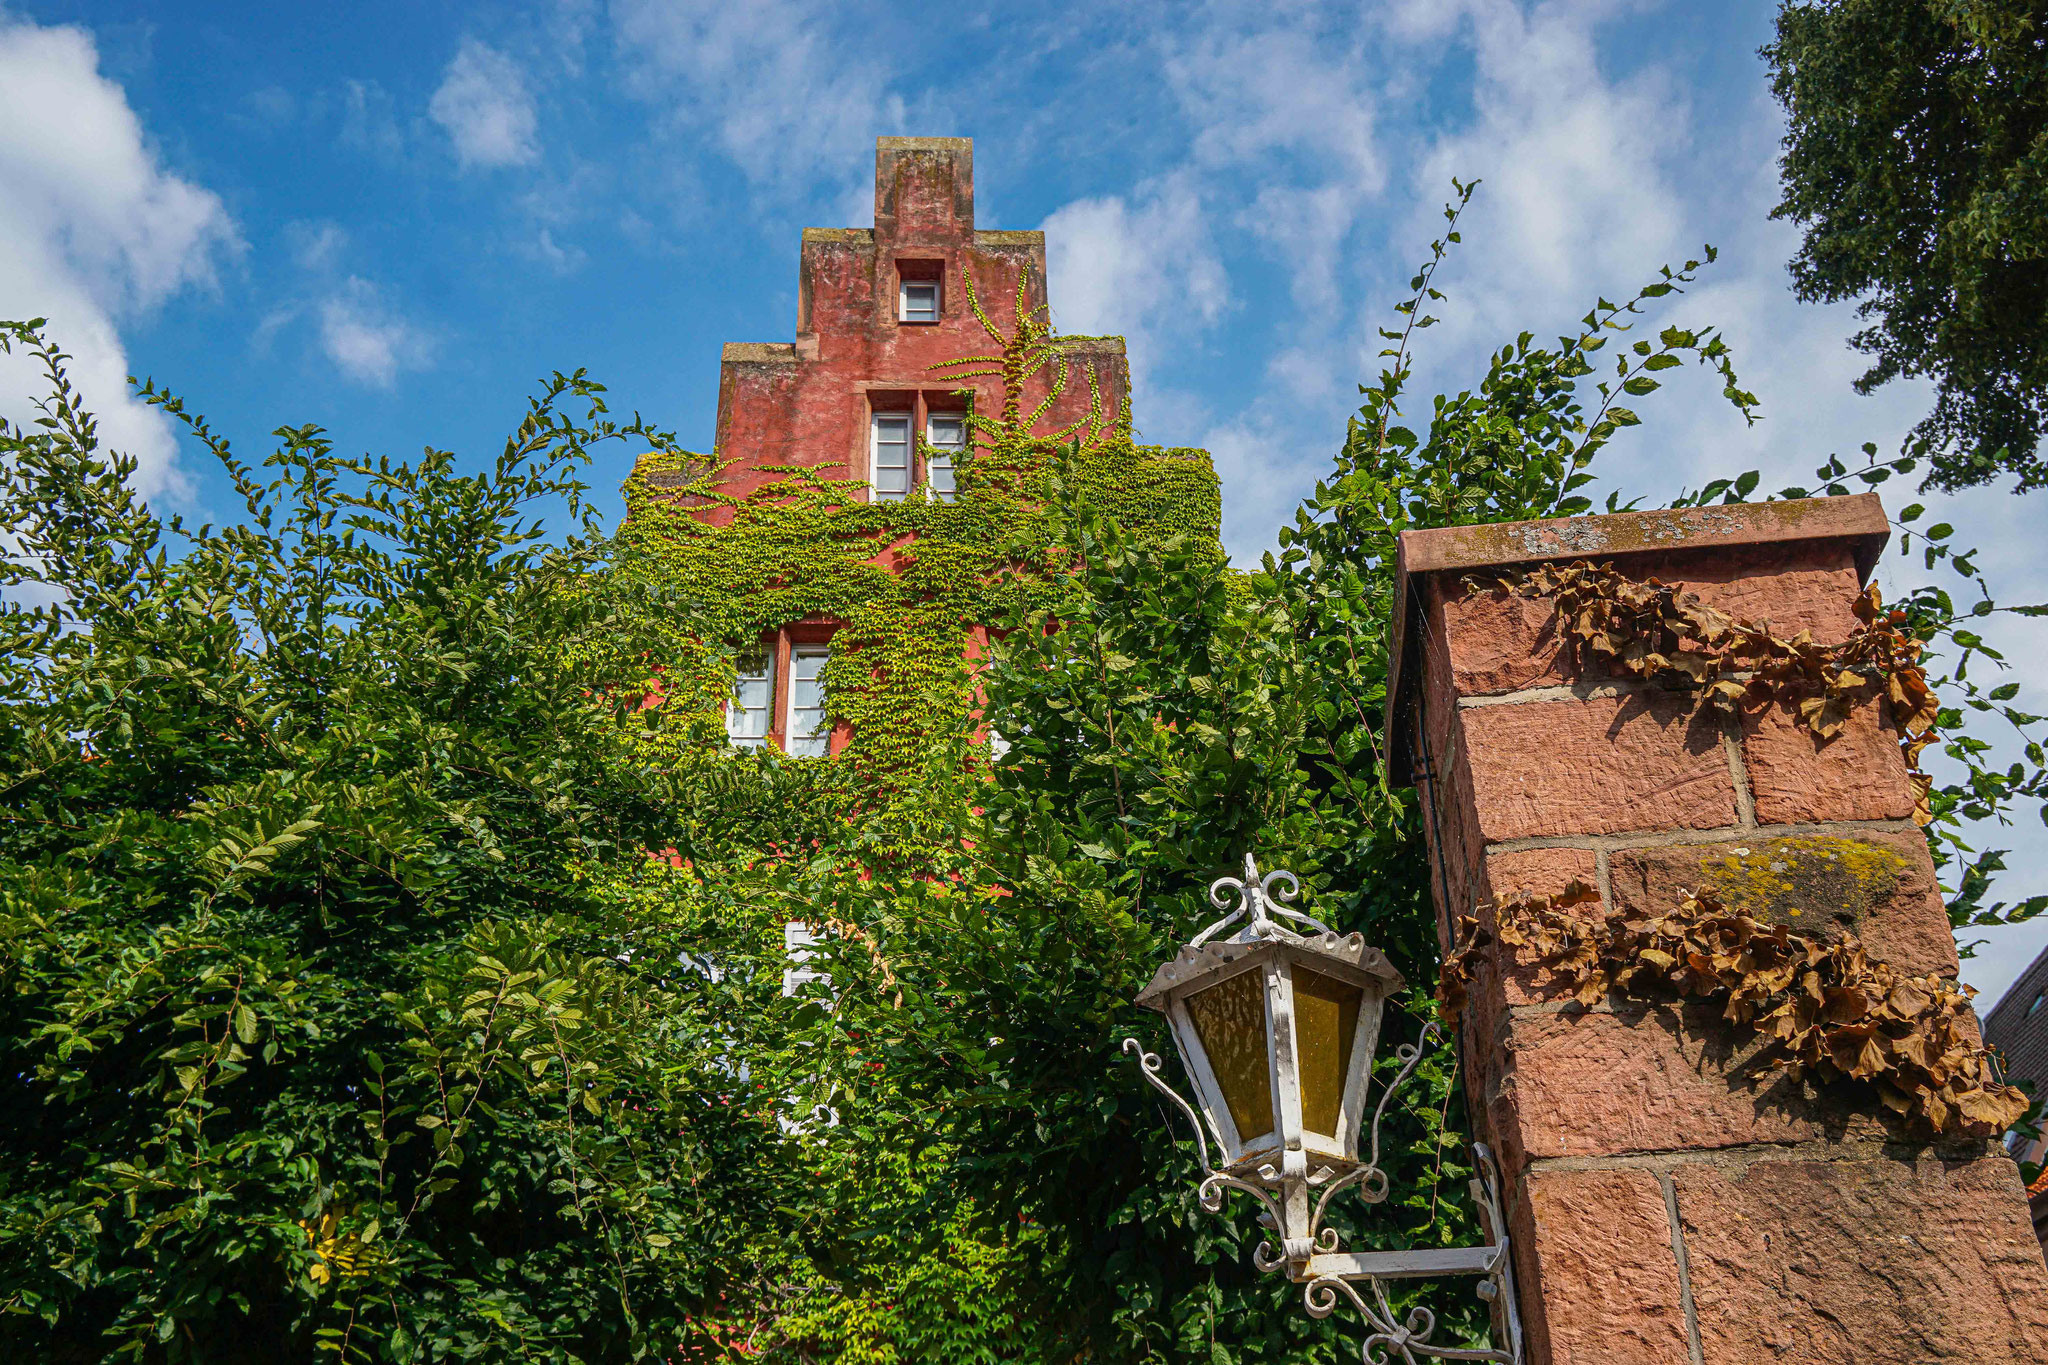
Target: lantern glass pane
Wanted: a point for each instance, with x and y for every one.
(1325, 1023)
(1230, 1019)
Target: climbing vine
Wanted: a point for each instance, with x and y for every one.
(1826, 1008)
(907, 581)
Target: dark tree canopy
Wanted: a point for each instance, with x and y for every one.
(1916, 159)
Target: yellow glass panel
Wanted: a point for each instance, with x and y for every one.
(1325, 1023)
(1230, 1019)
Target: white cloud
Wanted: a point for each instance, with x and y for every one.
(772, 81)
(1135, 267)
(563, 260)
(369, 121)
(316, 245)
(1282, 169)
(365, 339)
(1283, 105)
(92, 230)
(486, 109)
(1579, 194)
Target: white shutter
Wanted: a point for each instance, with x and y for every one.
(797, 944)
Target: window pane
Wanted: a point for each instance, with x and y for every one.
(1230, 1020)
(753, 701)
(809, 731)
(947, 436)
(891, 474)
(920, 301)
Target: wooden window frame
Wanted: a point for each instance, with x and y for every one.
(876, 416)
(822, 733)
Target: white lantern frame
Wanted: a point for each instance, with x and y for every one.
(1292, 1170)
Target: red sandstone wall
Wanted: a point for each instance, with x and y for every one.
(807, 402)
(1669, 1205)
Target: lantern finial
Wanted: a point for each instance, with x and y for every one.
(1258, 899)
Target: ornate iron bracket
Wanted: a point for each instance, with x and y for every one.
(1309, 1251)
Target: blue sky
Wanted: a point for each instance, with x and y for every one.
(391, 219)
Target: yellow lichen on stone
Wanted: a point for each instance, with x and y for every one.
(1803, 877)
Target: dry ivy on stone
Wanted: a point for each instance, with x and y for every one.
(1659, 633)
(1826, 1008)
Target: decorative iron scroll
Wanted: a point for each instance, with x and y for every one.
(1326, 1272)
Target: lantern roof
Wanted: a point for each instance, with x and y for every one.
(1261, 904)
(1197, 962)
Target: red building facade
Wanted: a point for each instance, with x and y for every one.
(869, 392)
(877, 309)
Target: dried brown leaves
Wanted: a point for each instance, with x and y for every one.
(1652, 630)
(1828, 1011)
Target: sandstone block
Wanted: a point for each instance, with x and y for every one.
(1656, 1079)
(1501, 982)
(1796, 778)
(1647, 760)
(1598, 1277)
(1877, 884)
(1501, 643)
(1877, 1262)
(1497, 642)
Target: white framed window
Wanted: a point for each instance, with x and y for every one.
(809, 732)
(889, 456)
(753, 700)
(799, 946)
(946, 434)
(917, 301)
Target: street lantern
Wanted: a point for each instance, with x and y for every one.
(1277, 1029)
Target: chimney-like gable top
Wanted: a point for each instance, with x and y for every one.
(924, 188)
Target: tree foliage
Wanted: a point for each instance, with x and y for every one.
(318, 1031)
(1916, 161)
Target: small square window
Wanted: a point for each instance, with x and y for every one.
(889, 456)
(946, 434)
(810, 733)
(918, 301)
(753, 700)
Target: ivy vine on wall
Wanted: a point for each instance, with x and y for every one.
(1826, 1008)
(906, 581)
(1657, 632)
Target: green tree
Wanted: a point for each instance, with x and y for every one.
(1916, 161)
(324, 1024)
(1164, 715)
